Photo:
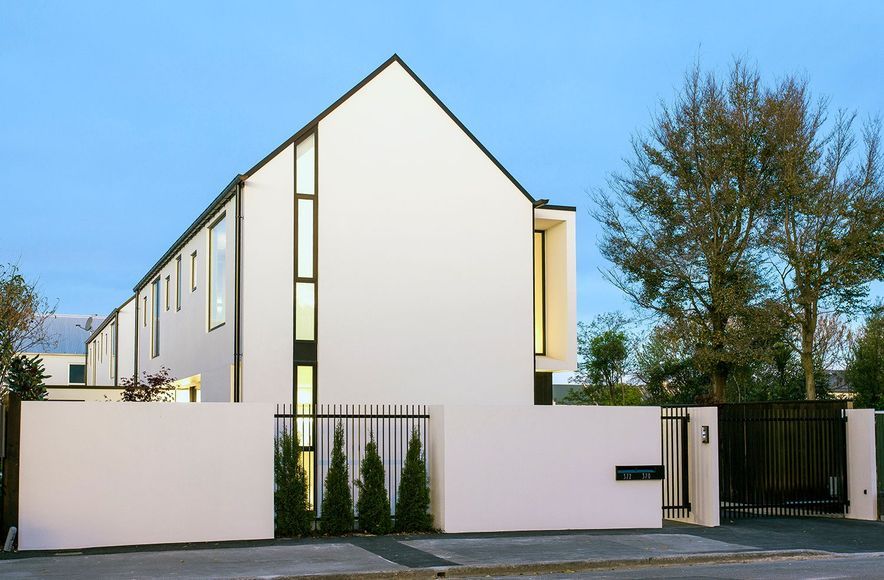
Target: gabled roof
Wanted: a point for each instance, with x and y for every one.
(231, 188)
(108, 319)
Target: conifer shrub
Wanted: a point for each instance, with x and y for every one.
(413, 500)
(337, 501)
(293, 514)
(373, 505)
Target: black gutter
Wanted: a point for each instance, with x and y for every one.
(220, 200)
(237, 277)
(559, 207)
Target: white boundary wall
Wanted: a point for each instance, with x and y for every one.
(506, 468)
(111, 474)
(862, 483)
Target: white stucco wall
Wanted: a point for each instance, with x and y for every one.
(187, 347)
(425, 258)
(101, 366)
(58, 365)
(267, 279)
(126, 340)
(84, 393)
(168, 473)
(506, 468)
(862, 483)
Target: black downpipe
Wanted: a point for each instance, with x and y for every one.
(237, 346)
(135, 366)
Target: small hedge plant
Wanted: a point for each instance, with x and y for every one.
(293, 514)
(337, 502)
(373, 505)
(413, 501)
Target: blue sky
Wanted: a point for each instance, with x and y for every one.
(122, 120)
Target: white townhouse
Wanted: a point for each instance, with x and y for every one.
(379, 255)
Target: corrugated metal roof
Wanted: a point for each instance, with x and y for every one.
(64, 336)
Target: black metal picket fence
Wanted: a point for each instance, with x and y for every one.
(391, 427)
(782, 459)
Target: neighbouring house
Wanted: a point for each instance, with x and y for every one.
(379, 255)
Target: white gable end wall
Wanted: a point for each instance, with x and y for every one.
(267, 278)
(425, 258)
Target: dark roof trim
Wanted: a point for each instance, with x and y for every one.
(107, 320)
(230, 189)
(558, 207)
(222, 198)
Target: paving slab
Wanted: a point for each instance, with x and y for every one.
(264, 561)
(567, 548)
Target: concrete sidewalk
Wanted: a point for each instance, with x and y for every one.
(462, 555)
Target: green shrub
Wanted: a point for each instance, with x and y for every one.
(25, 378)
(413, 501)
(337, 502)
(293, 515)
(373, 505)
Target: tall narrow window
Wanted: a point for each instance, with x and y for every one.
(113, 350)
(539, 291)
(304, 402)
(305, 238)
(305, 169)
(217, 272)
(155, 318)
(168, 292)
(305, 311)
(193, 272)
(178, 283)
(144, 311)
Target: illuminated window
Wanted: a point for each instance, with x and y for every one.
(304, 403)
(155, 318)
(539, 291)
(217, 272)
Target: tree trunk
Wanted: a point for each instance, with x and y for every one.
(808, 330)
(719, 379)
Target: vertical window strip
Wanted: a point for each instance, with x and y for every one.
(539, 292)
(178, 283)
(155, 319)
(217, 272)
(305, 282)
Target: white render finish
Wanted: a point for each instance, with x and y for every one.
(90, 394)
(510, 468)
(267, 281)
(560, 254)
(57, 365)
(425, 258)
(100, 362)
(152, 482)
(862, 483)
(187, 347)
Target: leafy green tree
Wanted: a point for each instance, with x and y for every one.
(865, 367)
(293, 514)
(826, 225)
(665, 365)
(23, 315)
(373, 505)
(337, 501)
(681, 224)
(413, 500)
(603, 352)
(26, 378)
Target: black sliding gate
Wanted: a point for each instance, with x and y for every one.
(676, 490)
(782, 459)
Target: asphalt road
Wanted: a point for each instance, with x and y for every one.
(852, 566)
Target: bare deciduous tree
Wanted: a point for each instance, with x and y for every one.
(23, 315)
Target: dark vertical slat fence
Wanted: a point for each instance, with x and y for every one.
(390, 426)
(676, 488)
(779, 459)
(879, 450)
